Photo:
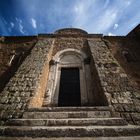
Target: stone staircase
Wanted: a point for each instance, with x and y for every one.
(74, 122)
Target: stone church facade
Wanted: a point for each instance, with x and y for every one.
(70, 84)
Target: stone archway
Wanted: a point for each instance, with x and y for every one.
(70, 59)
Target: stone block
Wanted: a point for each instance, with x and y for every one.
(135, 116)
(118, 107)
(99, 114)
(129, 107)
(127, 116)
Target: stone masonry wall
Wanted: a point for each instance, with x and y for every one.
(119, 45)
(99, 98)
(23, 86)
(12, 54)
(79, 43)
(120, 92)
(26, 88)
(68, 42)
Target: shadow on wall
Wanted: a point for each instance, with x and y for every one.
(99, 98)
(98, 94)
(16, 60)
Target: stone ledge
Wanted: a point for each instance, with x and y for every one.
(72, 138)
(88, 131)
(68, 122)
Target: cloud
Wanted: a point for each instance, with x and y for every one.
(12, 24)
(88, 17)
(106, 3)
(115, 26)
(18, 20)
(21, 28)
(3, 28)
(9, 29)
(128, 2)
(106, 20)
(96, 17)
(33, 22)
(4, 21)
(104, 16)
(81, 12)
(111, 34)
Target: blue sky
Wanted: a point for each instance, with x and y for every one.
(31, 17)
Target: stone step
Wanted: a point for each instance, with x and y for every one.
(68, 122)
(73, 138)
(69, 131)
(63, 115)
(57, 109)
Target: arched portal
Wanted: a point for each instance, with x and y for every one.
(71, 81)
(66, 83)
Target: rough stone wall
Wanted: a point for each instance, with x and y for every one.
(12, 53)
(117, 46)
(26, 88)
(120, 92)
(44, 58)
(99, 98)
(23, 86)
(62, 43)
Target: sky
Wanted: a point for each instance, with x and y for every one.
(32, 17)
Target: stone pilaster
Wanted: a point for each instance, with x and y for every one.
(119, 91)
(26, 86)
